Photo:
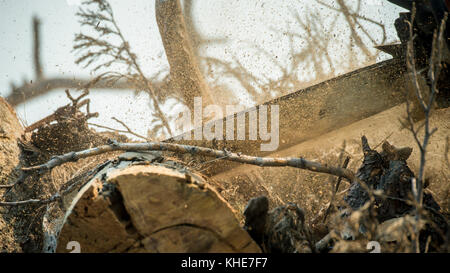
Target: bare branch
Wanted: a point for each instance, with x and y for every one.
(127, 131)
(56, 197)
(37, 48)
(194, 150)
(101, 20)
(53, 198)
(426, 105)
(411, 61)
(65, 112)
(338, 183)
(300, 163)
(41, 87)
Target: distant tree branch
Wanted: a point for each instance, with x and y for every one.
(107, 47)
(43, 86)
(37, 48)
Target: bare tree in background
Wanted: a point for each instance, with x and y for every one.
(355, 21)
(316, 40)
(182, 43)
(42, 84)
(103, 52)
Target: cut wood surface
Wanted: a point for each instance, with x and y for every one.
(154, 207)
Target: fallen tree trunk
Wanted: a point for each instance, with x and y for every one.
(142, 202)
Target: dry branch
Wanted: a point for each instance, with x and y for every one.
(92, 48)
(65, 111)
(426, 103)
(52, 199)
(187, 149)
(338, 183)
(128, 131)
(37, 48)
(43, 86)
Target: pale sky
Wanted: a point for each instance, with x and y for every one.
(241, 22)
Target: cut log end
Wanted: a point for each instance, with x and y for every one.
(152, 208)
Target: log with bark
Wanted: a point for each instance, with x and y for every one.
(143, 202)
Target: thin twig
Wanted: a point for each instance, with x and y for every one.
(52, 199)
(426, 106)
(118, 130)
(105, 53)
(66, 111)
(57, 196)
(129, 130)
(338, 183)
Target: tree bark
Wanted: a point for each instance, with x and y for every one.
(10, 163)
(10, 131)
